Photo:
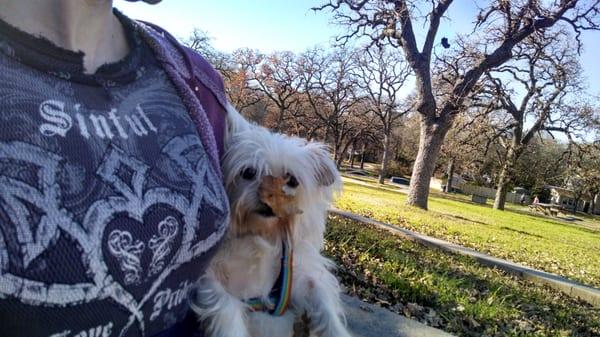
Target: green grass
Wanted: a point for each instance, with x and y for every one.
(451, 292)
(544, 243)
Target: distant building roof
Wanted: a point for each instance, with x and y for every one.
(569, 193)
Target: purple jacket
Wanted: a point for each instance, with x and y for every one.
(202, 91)
(197, 82)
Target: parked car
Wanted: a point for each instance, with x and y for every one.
(400, 181)
(358, 173)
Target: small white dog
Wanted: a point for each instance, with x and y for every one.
(269, 271)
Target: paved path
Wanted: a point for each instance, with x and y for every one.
(571, 288)
(368, 320)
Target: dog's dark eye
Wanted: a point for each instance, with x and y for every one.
(293, 182)
(249, 173)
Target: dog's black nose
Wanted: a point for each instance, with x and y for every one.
(292, 182)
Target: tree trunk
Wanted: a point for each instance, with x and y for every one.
(505, 177)
(342, 154)
(336, 153)
(340, 160)
(386, 158)
(500, 199)
(279, 120)
(352, 154)
(430, 142)
(362, 156)
(450, 175)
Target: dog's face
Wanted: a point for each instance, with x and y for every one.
(271, 179)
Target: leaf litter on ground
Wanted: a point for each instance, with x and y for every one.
(453, 293)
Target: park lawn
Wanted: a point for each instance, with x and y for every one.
(450, 292)
(539, 242)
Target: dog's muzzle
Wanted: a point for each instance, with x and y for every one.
(277, 198)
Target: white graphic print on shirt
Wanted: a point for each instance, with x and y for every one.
(173, 243)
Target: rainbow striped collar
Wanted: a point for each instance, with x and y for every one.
(279, 297)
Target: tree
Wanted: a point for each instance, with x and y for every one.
(235, 69)
(583, 175)
(277, 78)
(201, 42)
(532, 89)
(463, 148)
(240, 92)
(542, 163)
(406, 138)
(330, 93)
(381, 75)
(501, 25)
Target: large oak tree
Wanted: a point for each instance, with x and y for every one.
(498, 28)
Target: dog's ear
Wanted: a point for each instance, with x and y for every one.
(236, 123)
(325, 171)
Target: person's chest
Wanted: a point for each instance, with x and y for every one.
(108, 204)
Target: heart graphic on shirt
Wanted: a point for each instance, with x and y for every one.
(136, 252)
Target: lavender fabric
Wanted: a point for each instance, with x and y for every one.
(199, 84)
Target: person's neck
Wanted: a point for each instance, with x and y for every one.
(88, 26)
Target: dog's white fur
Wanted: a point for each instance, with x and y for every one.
(248, 264)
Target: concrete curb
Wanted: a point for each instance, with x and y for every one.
(368, 320)
(569, 287)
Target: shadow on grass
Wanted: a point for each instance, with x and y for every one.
(521, 232)
(465, 219)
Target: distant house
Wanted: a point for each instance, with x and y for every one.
(566, 198)
(464, 185)
(520, 190)
(457, 181)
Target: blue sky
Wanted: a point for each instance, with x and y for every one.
(270, 25)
